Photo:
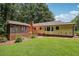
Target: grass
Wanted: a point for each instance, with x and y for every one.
(43, 47)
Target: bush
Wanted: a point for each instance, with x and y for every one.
(33, 36)
(3, 39)
(18, 40)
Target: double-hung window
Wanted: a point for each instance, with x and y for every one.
(48, 28)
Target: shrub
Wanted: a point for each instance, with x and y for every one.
(18, 40)
(3, 39)
(33, 36)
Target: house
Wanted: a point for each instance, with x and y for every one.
(54, 28)
(15, 28)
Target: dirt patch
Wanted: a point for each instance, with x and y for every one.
(8, 43)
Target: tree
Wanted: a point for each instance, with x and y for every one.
(24, 12)
(76, 21)
(35, 12)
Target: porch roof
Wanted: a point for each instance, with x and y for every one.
(17, 23)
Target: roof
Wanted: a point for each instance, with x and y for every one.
(52, 23)
(17, 23)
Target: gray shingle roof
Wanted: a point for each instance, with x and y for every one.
(17, 23)
(52, 23)
(40, 24)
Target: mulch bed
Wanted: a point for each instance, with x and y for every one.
(8, 43)
(11, 42)
(77, 34)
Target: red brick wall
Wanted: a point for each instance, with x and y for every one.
(13, 36)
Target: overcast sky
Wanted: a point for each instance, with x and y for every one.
(64, 11)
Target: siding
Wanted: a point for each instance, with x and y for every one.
(63, 30)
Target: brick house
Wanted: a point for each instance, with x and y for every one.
(54, 28)
(15, 28)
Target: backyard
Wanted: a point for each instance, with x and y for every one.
(44, 46)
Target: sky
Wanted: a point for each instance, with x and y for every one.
(64, 11)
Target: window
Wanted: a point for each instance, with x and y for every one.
(34, 28)
(57, 28)
(18, 29)
(22, 29)
(52, 29)
(25, 29)
(48, 28)
(12, 29)
(40, 28)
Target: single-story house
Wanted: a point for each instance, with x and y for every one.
(15, 28)
(54, 28)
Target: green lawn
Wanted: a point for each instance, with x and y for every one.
(43, 47)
